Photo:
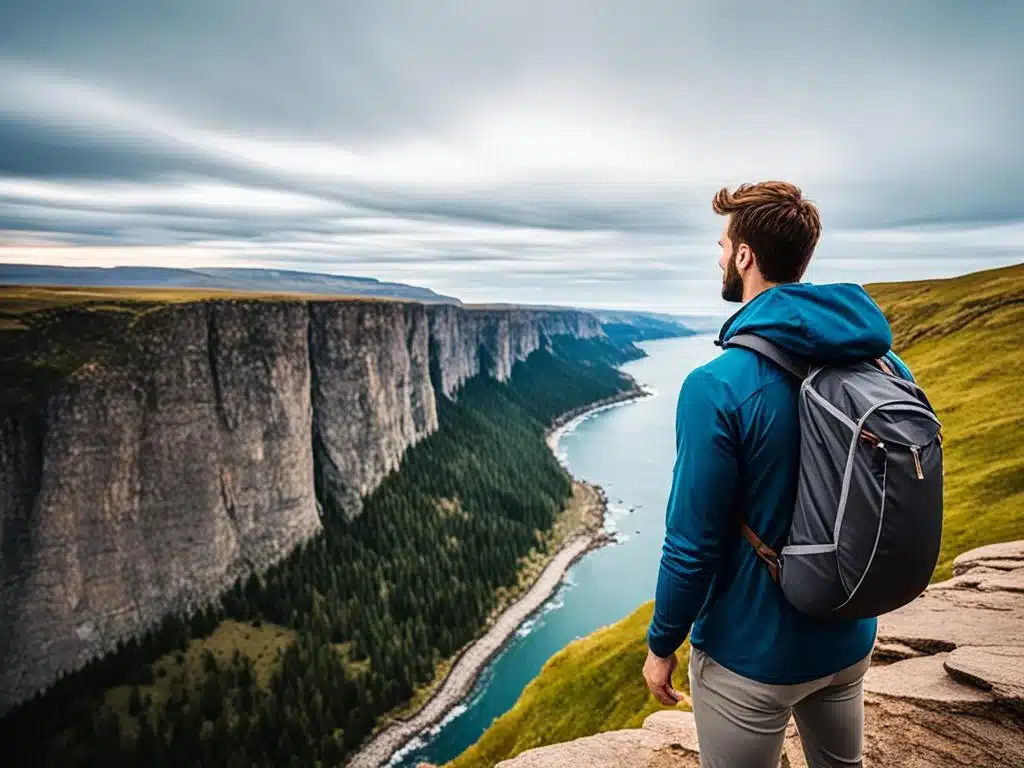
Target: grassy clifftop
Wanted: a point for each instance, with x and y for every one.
(962, 339)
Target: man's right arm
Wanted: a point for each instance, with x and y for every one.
(699, 517)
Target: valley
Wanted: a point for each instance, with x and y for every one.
(371, 477)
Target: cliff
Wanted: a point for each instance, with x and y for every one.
(155, 457)
(946, 687)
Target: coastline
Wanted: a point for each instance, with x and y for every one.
(470, 662)
(563, 422)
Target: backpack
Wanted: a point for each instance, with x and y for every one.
(867, 524)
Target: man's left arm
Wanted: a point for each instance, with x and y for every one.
(700, 510)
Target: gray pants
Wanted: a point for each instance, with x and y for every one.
(741, 723)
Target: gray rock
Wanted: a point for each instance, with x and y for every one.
(898, 732)
(636, 748)
(984, 614)
(161, 480)
(506, 336)
(891, 651)
(995, 668)
(1007, 555)
(372, 397)
(150, 482)
(923, 681)
(679, 724)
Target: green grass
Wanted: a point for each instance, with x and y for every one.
(591, 685)
(26, 299)
(263, 645)
(49, 332)
(963, 340)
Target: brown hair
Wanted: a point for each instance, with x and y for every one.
(779, 225)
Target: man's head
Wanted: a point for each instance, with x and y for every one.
(768, 238)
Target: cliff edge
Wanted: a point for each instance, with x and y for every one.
(946, 687)
(153, 453)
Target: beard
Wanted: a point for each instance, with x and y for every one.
(732, 284)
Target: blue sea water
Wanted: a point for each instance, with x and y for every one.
(629, 451)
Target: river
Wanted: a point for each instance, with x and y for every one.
(628, 450)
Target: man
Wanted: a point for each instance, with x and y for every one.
(754, 659)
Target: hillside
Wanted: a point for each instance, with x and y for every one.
(587, 688)
(962, 339)
(629, 326)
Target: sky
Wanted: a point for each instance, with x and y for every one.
(550, 152)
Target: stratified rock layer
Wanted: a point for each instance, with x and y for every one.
(148, 482)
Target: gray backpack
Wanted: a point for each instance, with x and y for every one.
(867, 525)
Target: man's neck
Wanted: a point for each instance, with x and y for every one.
(755, 288)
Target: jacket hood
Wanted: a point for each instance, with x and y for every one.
(835, 323)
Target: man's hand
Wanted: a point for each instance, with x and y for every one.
(658, 675)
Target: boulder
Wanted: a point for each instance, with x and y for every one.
(636, 747)
(1006, 556)
(986, 609)
(995, 668)
(677, 723)
(923, 681)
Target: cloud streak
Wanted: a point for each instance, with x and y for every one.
(507, 151)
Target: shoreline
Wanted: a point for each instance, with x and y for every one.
(470, 662)
(561, 424)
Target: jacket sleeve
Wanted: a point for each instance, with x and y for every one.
(700, 507)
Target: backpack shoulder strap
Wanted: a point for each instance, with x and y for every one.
(780, 357)
(768, 555)
(797, 368)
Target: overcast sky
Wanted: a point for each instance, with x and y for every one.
(542, 152)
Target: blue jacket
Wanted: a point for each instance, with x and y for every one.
(737, 453)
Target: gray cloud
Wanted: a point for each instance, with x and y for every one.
(508, 151)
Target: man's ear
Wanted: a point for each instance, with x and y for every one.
(744, 257)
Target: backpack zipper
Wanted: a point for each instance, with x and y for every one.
(870, 439)
(916, 450)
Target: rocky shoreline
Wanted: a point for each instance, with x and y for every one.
(473, 659)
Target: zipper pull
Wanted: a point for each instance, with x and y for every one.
(870, 439)
(916, 450)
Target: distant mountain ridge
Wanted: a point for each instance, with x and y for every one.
(657, 322)
(623, 326)
(630, 326)
(218, 278)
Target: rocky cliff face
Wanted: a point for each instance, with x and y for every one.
(505, 336)
(946, 687)
(150, 480)
(372, 394)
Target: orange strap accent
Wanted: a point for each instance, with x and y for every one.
(885, 366)
(766, 553)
